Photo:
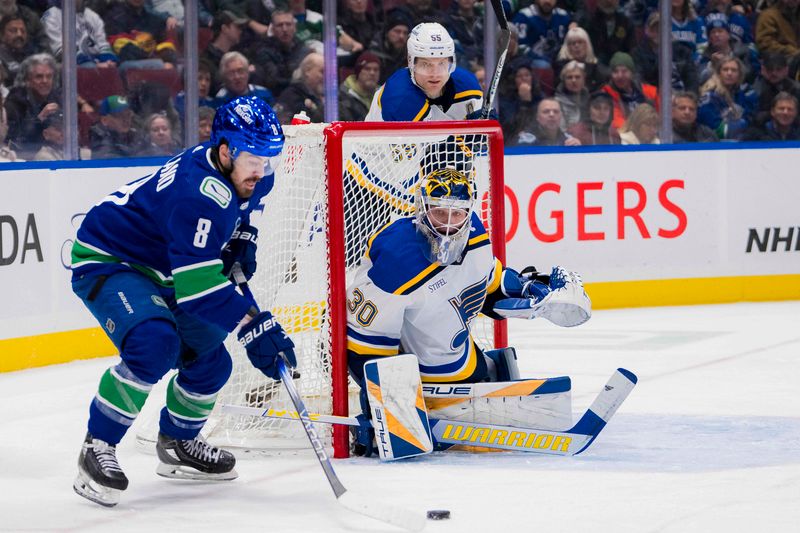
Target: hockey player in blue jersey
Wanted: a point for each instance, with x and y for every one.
(432, 87)
(152, 263)
(423, 280)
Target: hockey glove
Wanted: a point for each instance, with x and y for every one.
(476, 115)
(363, 437)
(264, 340)
(562, 301)
(241, 249)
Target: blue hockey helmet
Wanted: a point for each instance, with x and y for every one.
(248, 124)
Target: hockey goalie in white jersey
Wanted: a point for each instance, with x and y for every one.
(425, 278)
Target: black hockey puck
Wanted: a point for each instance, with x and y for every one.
(438, 514)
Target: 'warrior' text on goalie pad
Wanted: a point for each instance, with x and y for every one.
(528, 403)
(398, 411)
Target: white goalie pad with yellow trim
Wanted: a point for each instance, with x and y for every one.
(528, 403)
(399, 416)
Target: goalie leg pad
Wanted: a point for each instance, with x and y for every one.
(540, 403)
(398, 410)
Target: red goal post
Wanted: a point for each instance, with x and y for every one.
(343, 181)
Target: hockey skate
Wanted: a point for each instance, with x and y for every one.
(100, 478)
(193, 459)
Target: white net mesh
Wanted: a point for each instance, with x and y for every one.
(380, 176)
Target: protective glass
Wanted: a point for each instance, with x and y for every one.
(253, 163)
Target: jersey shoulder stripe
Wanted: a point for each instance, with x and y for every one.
(398, 264)
(466, 85)
(401, 100)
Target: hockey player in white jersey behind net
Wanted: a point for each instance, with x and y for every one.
(153, 262)
(425, 278)
(433, 87)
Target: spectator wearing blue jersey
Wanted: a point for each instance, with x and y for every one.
(720, 45)
(234, 70)
(610, 30)
(645, 55)
(542, 28)
(741, 29)
(687, 27)
(204, 83)
(727, 104)
(578, 47)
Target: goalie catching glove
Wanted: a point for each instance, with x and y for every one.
(559, 297)
(241, 249)
(265, 341)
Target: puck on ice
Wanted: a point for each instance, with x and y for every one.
(438, 514)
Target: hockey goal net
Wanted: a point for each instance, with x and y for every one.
(335, 185)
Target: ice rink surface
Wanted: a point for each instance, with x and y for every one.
(708, 441)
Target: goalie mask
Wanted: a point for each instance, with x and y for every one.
(430, 40)
(443, 210)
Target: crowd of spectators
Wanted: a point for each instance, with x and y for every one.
(578, 72)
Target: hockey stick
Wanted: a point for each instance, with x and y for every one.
(505, 36)
(390, 514)
(448, 433)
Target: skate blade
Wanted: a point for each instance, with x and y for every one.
(187, 472)
(86, 487)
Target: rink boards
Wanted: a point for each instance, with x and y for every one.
(644, 226)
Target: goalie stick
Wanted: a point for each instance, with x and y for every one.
(505, 35)
(448, 433)
(383, 512)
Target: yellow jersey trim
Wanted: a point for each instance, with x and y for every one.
(422, 112)
(413, 281)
